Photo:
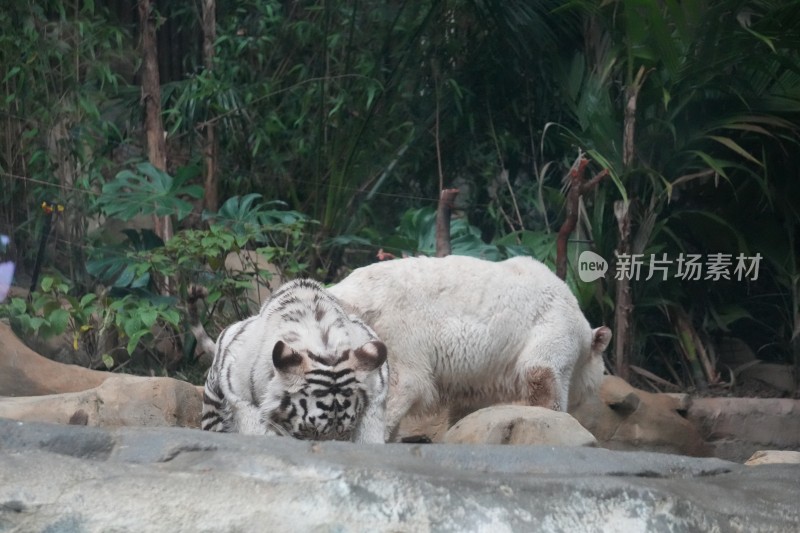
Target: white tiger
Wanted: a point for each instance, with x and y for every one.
(300, 367)
(467, 333)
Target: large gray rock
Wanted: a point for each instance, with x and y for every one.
(67, 478)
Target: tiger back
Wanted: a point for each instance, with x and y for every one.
(301, 367)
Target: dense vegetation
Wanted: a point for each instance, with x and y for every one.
(336, 124)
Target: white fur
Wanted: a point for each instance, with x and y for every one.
(466, 332)
(315, 332)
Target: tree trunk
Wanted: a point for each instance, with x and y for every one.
(446, 200)
(151, 98)
(210, 181)
(623, 336)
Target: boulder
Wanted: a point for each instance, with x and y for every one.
(24, 372)
(34, 388)
(519, 424)
(117, 401)
(622, 417)
(68, 478)
(432, 426)
(770, 457)
(778, 377)
(736, 428)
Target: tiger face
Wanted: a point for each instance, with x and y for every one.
(302, 367)
(327, 400)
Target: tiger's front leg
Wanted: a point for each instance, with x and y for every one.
(247, 419)
(371, 428)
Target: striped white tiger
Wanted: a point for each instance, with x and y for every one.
(301, 367)
(465, 333)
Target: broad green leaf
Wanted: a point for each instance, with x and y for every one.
(132, 324)
(126, 277)
(58, 319)
(36, 323)
(213, 296)
(87, 299)
(148, 317)
(172, 316)
(134, 340)
(18, 306)
(47, 283)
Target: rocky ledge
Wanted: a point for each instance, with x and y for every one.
(77, 478)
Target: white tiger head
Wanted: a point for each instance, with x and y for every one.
(328, 395)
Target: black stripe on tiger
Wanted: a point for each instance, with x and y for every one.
(330, 373)
(332, 384)
(214, 402)
(211, 419)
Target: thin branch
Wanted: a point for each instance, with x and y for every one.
(446, 203)
(437, 142)
(577, 188)
(504, 174)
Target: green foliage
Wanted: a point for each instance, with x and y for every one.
(244, 216)
(136, 317)
(133, 315)
(45, 314)
(416, 235)
(149, 191)
(62, 65)
(143, 262)
(338, 122)
(708, 143)
(54, 310)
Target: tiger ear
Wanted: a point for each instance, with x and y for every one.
(370, 356)
(285, 359)
(601, 337)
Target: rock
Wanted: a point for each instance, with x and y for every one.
(117, 401)
(35, 388)
(778, 377)
(625, 418)
(24, 372)
(519, 424)
(733, 353)
(735, 428)
(71, 478)
(769, 457)
(433, 426)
